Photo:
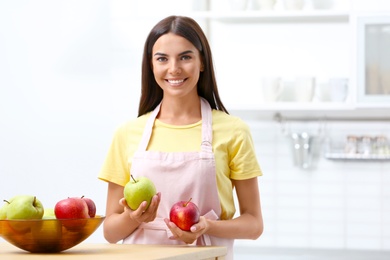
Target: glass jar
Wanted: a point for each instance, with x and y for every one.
(381, 145)
(351, 145)
(365, 145)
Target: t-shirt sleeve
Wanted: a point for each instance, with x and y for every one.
(243, 159)
(115, 167)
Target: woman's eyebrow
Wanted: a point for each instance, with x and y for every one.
(163, 54)
(160, 54)
(185, 52)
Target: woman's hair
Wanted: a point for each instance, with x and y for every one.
(151, 93)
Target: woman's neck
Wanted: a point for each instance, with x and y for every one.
(180, 111)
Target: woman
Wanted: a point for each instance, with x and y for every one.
(185, 141)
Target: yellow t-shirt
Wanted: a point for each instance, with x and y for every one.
(233, 149)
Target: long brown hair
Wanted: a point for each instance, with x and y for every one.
(151, 93)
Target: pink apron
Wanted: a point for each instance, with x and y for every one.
(179, 176)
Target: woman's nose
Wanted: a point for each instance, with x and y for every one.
(174, 68)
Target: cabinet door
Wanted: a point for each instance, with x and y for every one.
(374, 60)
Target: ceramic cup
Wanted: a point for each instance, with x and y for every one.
(304, 89)
(322, 91)
(338, 89)
(322, 4)
(293, 4)
(266, 4)
(272, 88)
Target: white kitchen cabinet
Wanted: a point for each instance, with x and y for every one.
(251, 45)
(373, 56)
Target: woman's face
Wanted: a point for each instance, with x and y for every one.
(176, 65)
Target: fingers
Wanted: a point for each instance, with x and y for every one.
(123, 202)
(143, 213)
(155, 202)
(200, 226)
(193, 228)
(174, 229)
(187, 237)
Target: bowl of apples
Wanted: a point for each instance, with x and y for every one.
(27, 225)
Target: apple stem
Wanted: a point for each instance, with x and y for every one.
(133, 178)
(35, 199)
(185, 204)
(82, 196)
(6, 201)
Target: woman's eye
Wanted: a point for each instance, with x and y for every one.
(185, 57)
(161, 59)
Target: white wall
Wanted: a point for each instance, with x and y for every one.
(335, 204)
(70, 74)
(60, 98)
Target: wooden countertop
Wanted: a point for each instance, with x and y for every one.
(118, 251)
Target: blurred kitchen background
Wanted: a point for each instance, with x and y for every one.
(310, 77)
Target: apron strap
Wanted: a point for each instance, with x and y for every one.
(148, 129)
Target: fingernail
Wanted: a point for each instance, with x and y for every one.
(193, 229)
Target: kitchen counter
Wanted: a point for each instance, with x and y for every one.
(118, 251)
(280, 253)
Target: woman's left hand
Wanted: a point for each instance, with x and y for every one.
(188, 237)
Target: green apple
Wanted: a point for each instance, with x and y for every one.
(3, 216)
(24, 207)
(3, 211)
(138, 190)
(49, 213)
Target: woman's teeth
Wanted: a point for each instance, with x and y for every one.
(176, 81)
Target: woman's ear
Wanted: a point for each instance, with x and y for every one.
(201, 67)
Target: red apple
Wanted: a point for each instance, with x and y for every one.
(71, 208)
(73, 213)
(184, 214)
(91, 206)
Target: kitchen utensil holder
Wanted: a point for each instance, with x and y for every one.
(305, 145)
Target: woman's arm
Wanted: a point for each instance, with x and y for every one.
(249, 225)
(120, 220)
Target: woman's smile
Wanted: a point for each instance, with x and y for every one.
(176, 82)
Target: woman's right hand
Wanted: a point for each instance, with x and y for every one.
(143, 213)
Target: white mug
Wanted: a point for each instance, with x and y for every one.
(322, 4)
(338, 89)
(323, 92)
(304, 89)
(272, 88)
(266, 4)
(294, 4)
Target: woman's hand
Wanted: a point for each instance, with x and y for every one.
(143, 214)
(191, 236)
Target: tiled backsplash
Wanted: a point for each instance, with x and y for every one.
(335, 204)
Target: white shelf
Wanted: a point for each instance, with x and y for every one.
(358, 157)
(342, 18)
(307, 113)
(275, 16)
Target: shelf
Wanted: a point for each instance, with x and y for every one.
(357, 157)
(275, 16)
(307, 113)
(336, 24)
